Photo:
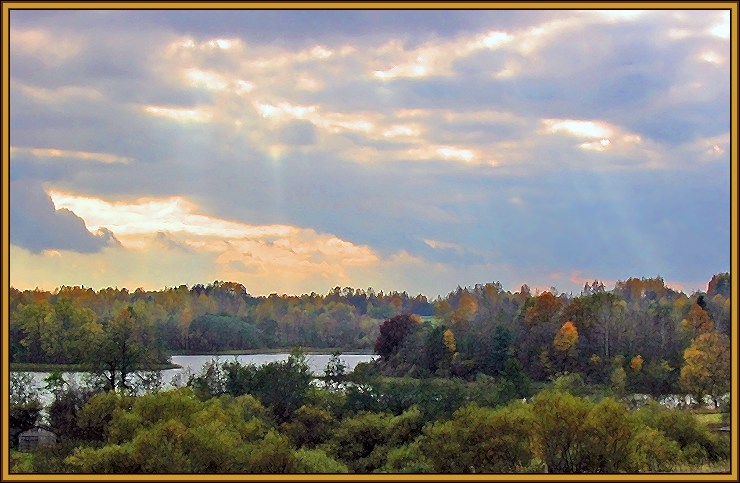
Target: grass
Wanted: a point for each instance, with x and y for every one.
(432, 319)
(709, 419)
(20, 462)
(44, 367)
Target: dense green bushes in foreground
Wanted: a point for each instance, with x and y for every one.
(276, 419)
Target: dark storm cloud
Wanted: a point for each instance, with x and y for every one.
(37, 225)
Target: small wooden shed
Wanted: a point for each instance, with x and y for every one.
(36, 436)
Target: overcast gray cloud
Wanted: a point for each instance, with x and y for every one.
(525, 146)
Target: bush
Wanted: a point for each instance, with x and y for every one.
(695, 454)
(20, 462)
(481, 440)
(651, 451)
(683, 427)
(407, 459)
(571, 383)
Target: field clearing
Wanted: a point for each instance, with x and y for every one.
(431, 319)
(711, 420)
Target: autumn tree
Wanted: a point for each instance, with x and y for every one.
(566, 339)
(542, 317)
(392, 332)
(449, 341)
(706, 369)
(466, 308)
(565, 342)
(720, 284)
(697, 322)
(608, 318)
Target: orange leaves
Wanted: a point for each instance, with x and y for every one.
(566, 339)
(636, 363)
(466, 309)
(697, 321)
(545, 307)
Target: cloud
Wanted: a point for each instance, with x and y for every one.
(37, 225)
(60, 153)
(174, 223)
(42, 45)
(297, 133)
(179, 114)
(501, 132)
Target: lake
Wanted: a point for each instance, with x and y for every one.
(192, 364)
(316, 362)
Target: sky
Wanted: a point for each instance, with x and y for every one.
(418, 151)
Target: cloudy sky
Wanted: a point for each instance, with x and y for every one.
(295, 151)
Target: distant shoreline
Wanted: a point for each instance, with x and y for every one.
(45, 367)
(279, 350)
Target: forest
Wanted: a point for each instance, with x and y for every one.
(482, 380)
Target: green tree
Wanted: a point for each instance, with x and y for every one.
(573, 435)
(558, 438)
(618, 380)
(608, 430)
(32, 320)
(309, 426)
(360, 441)
(127, 343)
(335, 372)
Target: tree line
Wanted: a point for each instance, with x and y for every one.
(215, 317)
(641, 336)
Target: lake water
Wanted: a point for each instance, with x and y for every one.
(192, 364)
(316, 362)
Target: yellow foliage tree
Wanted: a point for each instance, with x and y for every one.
(566, 339)
(449, 340)
(707, 366)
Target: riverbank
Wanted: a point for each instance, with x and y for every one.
(45, 367)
